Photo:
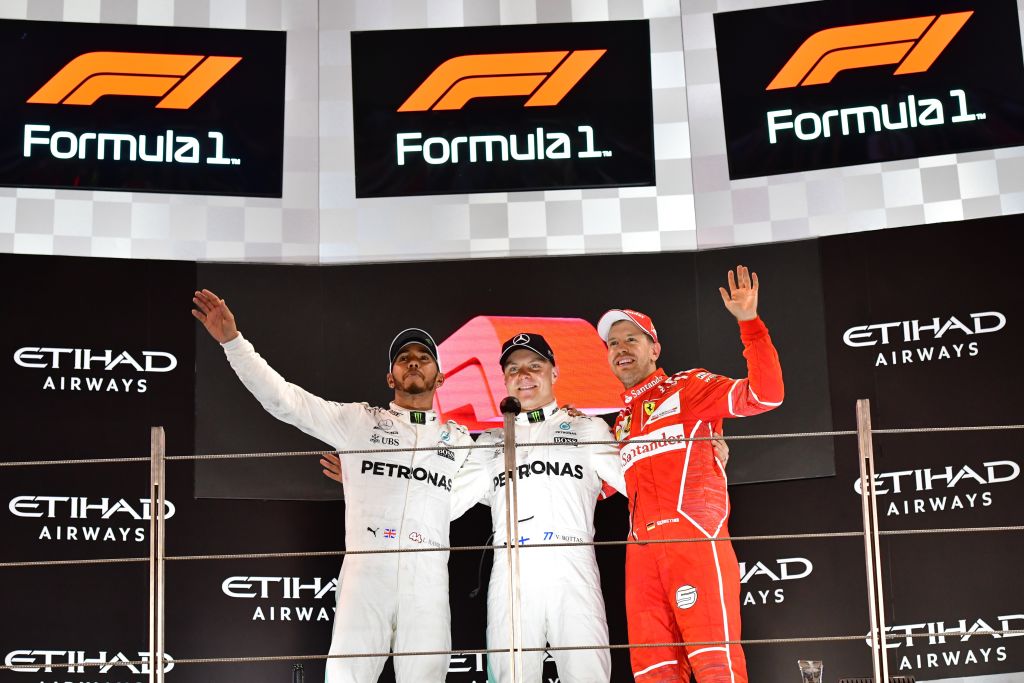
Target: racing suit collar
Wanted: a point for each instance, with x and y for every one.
(416, 417)
(652, 380)
(537, 414)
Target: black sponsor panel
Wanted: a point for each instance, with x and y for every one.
(913, 80)
(259, 607)
(91, 361)
(873, 283)
(142, 108)
(498, 108)
(788, 589)
(928, 334)
(279, 309)
(798, 333)
(952, 481)
(89, 353)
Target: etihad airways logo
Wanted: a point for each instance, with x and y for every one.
(955, 632)
(931, 332)
(65, 367)
(545, 76)
(76, 661)
(935, 489)
(268, 591)
(777, 571)
(86, 520)
(914, 44)
(179, 80)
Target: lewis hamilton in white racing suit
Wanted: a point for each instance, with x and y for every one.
(558, 486)
(386, 602)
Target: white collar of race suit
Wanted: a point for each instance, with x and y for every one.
(416, 417)
(537, 414)
(652, 380)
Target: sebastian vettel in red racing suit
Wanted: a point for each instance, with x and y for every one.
(684, 592)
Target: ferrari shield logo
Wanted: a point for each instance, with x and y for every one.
(648, 408)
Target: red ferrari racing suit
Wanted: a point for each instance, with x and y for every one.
(677, 490)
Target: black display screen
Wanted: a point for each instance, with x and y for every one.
(142, 108)
(838, 83)
(497, 108)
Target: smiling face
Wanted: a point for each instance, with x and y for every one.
(632, 354)
(530, 378)
(414, 371)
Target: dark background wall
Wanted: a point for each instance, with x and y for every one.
(325, 329)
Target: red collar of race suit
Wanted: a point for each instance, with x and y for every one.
(648, 383)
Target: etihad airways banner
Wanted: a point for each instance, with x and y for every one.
(824, 84)
(499, 108)
(141, 108)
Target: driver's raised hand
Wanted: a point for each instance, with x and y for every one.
(215, 316)
(741, 299)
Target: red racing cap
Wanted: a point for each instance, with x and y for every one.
(604, 325)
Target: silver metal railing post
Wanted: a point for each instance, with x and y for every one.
(157, 554)
(510, 408)
(872, 547)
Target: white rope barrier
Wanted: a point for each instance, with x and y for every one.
(479, 548)
(378, 451)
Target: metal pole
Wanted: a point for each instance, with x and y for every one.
(510, 407)
(157, 555)
(872, 559)
(879, 590)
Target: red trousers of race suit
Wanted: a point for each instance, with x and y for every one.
(684, 592)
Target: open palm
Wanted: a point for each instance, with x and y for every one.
(215, 316)
(741, 299)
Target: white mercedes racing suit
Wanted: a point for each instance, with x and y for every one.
(558, 487)
(392, 500)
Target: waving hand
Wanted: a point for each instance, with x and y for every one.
(215, 316)
(741, 299)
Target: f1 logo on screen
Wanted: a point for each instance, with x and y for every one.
(545, 76)
(914, 44)
(142, 108)
(502, 108)
(474, 383)
(180, 80)
(849, 82)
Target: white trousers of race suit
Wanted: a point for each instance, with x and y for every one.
(397, 603)
(562, 605)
